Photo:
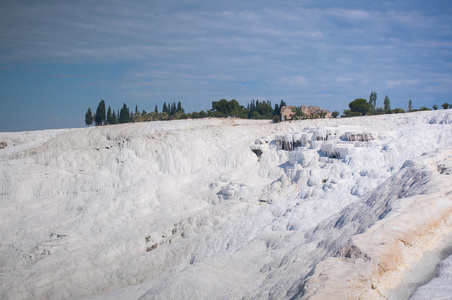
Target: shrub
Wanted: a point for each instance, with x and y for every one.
(399, 110)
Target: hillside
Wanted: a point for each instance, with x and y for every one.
(186, 210)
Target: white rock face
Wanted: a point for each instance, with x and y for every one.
(186, 210)
(440, 287)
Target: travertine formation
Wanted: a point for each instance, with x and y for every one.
(332, 142)
(185, 210)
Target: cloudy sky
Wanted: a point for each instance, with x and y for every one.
(57, 58)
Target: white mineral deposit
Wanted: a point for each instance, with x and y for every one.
(228, 209)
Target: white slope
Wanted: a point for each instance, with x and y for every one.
(439, 287)
(185, 209)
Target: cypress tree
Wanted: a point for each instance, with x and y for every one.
(173, 109)
(179, 107)
(165, 108)
(109, 116)
(387, 105)
(89, 117)
(124, 115)
(372, 102)
(156, 109)
(100, 114)
(282, 103)
(114, 118)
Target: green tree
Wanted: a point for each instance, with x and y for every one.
(109, 116)
(372, 102)
(255, 115)
(265, 110)
(360, 106)
(251, 108)
(89, 117)
(221, 107)
(224, 108)
(100, 117)
(124, 114)
(410, 105)
(282, 103)
(173, 109)
(435, 107)
(233, 108)
(180, 108)
(387, 105)
(114, 118)
(277, 111)
(445, 105)
(335, 114)
(202, 114)
(156, 109)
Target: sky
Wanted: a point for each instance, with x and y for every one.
(57, 58)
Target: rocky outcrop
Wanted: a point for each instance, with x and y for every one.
(309, 112)
(287, 113)
(315, 112)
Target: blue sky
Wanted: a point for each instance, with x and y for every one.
(57, 58)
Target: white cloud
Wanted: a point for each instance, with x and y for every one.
(344, 79)
(402, 82)
(350, 14)
(294, 81)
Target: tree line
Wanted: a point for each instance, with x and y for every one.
(103, 116)
(254, 110)
(223, 108)
(363, 107)
(171, 111)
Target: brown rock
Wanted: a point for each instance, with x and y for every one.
(311, 112)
